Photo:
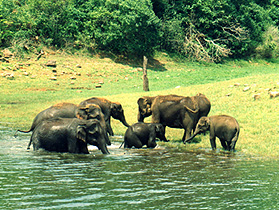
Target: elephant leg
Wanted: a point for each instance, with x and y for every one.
(132, 141)
(109, 129)
(224, 144)
(213, 142)
(187, 133)
(30, 142)
(232, 145)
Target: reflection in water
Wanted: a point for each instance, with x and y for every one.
(161, 178)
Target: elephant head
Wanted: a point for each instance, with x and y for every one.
(144, 104)
(92, 133)
(93, 111)
(117, 112)
(201, 127)
(160, 131)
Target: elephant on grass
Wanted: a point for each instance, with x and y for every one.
(225, 127)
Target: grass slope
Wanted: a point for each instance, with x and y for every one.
(27, 87)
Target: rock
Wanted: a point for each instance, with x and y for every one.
(51, 63)
(53, 78)
(78, 66)
(273, 94)
(98, 86)
(73, 78)
(256, 96)
(246, 89)
(229, 94)
(9, 76)
(7, 53)
(236, 84)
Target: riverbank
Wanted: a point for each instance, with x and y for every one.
(240, 89)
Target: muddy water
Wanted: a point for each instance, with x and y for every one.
(161, 178)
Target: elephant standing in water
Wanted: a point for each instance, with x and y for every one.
(175, 112)
(69, 135)
(225, 127)
(140, 134)
(68, 110)
(109, 109)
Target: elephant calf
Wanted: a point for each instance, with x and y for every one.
(140, 134)
(225, 127)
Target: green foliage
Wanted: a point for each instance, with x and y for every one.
(270, 46)
(202, 30)
(123, 26)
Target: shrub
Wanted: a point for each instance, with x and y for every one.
(270, 45)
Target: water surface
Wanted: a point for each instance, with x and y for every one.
(162, 178)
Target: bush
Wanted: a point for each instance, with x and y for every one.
(123, 26)
(270, 45)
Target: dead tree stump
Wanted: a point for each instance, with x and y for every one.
(145, 79)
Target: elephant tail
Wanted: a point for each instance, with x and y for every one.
(234, 139)
(196, 107)
(15, 135)
(191, 110)
(121, 144)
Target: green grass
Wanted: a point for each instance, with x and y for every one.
(22, 97)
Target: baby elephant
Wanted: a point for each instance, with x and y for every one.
(226, 128)
(140, 134)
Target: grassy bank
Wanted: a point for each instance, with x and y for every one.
(29, 86)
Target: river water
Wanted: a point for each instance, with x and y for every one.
(160, 178)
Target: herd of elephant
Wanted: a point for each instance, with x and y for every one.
(67, 127)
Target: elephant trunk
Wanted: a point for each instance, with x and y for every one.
(104, 149)
(123, 120)
(189, 139)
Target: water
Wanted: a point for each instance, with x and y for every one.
(161, 178)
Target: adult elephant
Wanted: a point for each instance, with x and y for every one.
(140, 134)
(69, 135)
(144, 106)
(69, 110)
(109, 109)
(145, 103)
(175, 112)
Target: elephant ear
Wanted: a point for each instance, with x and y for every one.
(82, 113)
(207, 121)
(81, 133)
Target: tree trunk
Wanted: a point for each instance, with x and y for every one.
(145, 79)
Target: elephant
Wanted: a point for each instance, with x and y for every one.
(145, 102)
(69, 135)
(140, 134)
(69, 110)
(144, 105)
(225, 127)
(109, 109)
(175, 112)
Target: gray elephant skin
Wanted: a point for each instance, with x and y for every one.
(68, 110)
(144, 107)
(109, 109)
(69, 135)
(175, 112)
(140, 134)
(145, 103)
(225, 127)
